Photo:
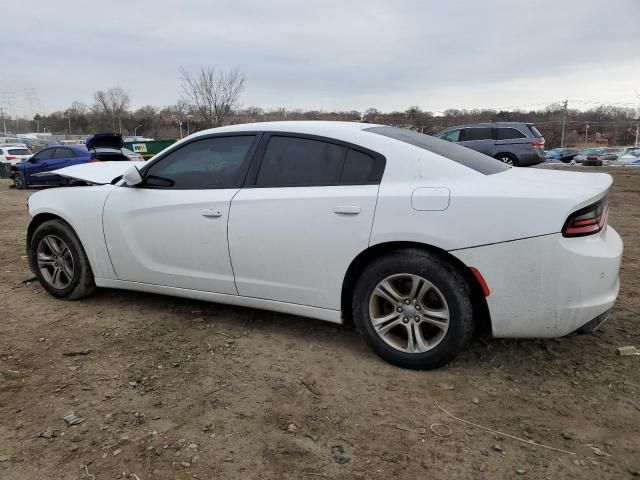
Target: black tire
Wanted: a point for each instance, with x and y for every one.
(19, 181)
(508, 159)
(80, 282)
(450, 285)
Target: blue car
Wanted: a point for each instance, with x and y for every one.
(100, 147)
(564, 155)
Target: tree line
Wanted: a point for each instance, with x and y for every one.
(210, 97)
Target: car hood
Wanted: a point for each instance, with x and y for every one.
(98, 173)
(105, 140)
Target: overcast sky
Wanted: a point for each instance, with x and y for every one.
(329, 54)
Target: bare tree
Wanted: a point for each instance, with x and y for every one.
(78, 108)
(213, 93)
(113, 103)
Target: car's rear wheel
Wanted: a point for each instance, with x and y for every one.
(18, 181)
(59, 261)
(508, 159)
(414, 309)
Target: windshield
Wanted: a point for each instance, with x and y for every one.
(590, 151)
(465, 156)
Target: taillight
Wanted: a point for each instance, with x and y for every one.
(586, 221)
(538, 143)
(8, 158)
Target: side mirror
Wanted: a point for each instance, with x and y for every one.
(132, 176)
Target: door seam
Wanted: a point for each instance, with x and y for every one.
(233, 272)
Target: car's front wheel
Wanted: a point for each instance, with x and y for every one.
(59, 261)
(18, 181)
(414, 309)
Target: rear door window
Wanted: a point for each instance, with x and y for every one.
(63, 153)
(358, 168)
(300, 162)
(506, 133)
(478, 133)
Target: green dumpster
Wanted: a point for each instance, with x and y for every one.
(150, 148)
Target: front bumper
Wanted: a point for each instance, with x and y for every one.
(548, 286)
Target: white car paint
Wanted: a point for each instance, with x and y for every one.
(8, 153)
(296, 244)
(287, 249)
(170, 237)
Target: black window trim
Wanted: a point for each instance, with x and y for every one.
(374, 178)
(242, 175)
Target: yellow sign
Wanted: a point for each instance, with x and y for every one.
(140, 147)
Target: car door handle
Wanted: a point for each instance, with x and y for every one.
(347, 209)
(211, 212)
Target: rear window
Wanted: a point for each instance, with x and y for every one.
(465, 156)
(535, 131)
(509, 133)
(19, 151)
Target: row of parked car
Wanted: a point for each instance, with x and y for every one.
(27, 169)
(595, 156)
(514, 143)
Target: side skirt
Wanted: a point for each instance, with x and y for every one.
(325, 314)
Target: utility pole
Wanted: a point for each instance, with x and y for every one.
(586, 133)
(637, 131)
(564, 121)
(4, 123)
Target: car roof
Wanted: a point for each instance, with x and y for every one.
(298, 126)
(345, 131)
(75, 148)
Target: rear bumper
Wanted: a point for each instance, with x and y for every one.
(534, 157)
(548, 286)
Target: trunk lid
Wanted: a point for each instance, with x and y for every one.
(105, 140)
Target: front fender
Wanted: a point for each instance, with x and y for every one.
(80, 207)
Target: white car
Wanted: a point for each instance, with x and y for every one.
(14, 153)
(630, 156)
(415, 240)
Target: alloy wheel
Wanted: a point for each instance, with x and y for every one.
(409, 313)
(55, 262)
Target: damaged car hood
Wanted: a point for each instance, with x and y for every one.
(99, 173)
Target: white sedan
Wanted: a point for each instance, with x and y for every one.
(415, 240)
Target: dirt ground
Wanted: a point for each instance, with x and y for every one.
(180, 389)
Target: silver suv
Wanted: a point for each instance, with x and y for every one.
(514, 143)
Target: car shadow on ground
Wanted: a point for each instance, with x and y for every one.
(483, 352)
